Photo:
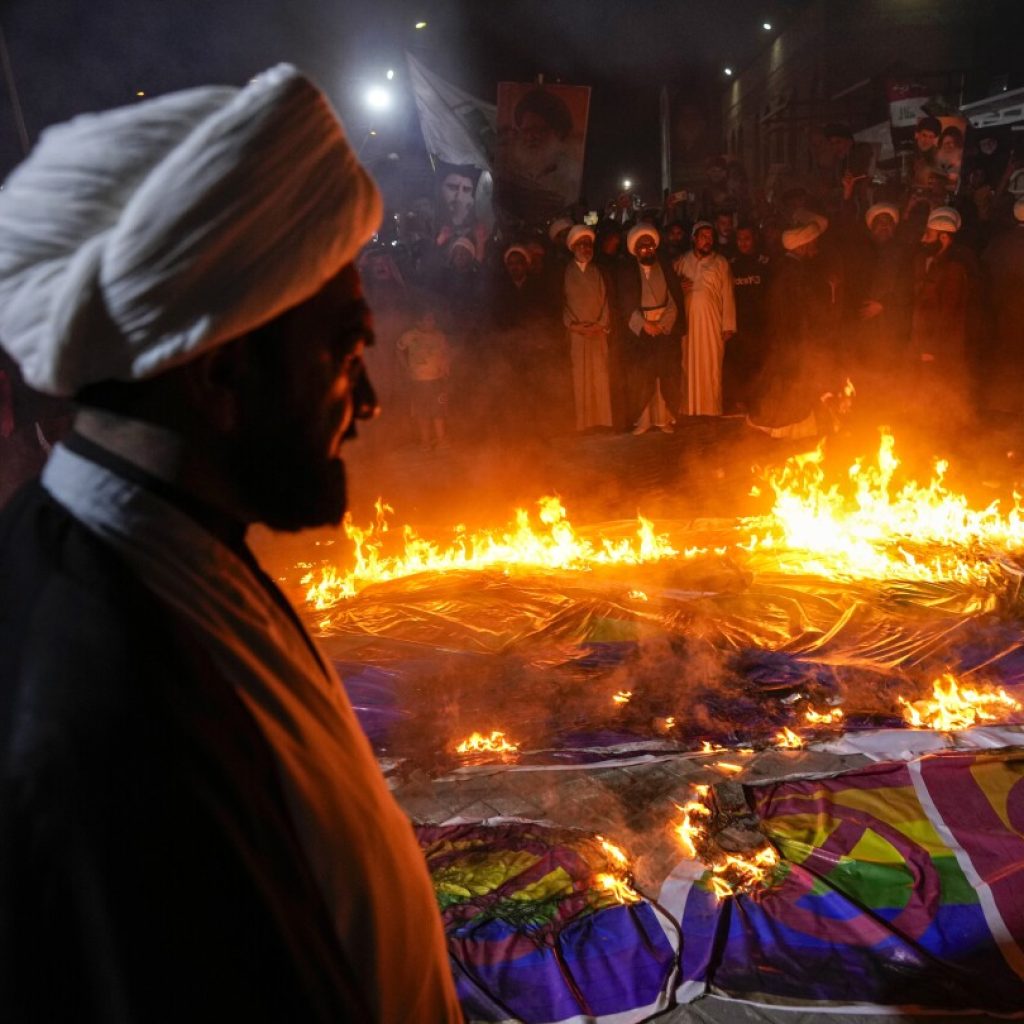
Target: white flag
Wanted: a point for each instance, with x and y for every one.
(458, 128)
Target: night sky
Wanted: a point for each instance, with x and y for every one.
(70, 56)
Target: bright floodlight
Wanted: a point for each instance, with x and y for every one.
(421, 24)
(378, 98)
(728, 71)
(390, 74)
(626, 183)
(767, 26)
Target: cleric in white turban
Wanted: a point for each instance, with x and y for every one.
(637, 232)
(193, 825)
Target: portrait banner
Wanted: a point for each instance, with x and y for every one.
(542, 132)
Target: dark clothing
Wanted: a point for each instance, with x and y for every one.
(747, 351)
(1003, 384)
(149, 868)
(650, 358)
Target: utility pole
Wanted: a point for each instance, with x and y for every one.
(666, 141)
(12, 90)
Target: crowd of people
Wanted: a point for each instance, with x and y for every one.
(722, 300)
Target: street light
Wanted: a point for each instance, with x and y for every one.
(390, 74)
(378, 98)
(767, 26)
(626, 183)
(421, 24)
(727, 72)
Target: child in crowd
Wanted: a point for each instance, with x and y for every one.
(425, 352)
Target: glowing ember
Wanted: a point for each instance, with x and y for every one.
(727, 766)
(623, 696)
(788, 739)
(954, 707)
(553, 545)
(616, 853)
(828, 718)
(637, 595)
(493, 744)
(707, 747)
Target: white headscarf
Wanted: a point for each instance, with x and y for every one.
(878, 209)
(134, 239)
(944, 218)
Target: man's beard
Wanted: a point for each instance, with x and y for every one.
(649, 260)
(284, 477)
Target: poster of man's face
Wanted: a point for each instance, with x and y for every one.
(456, 199)
(541, 135)
(938, 153)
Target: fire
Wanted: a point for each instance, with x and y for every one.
(493, 744)
(619, 888)
(788, 739)
(623, 696)
(826, 718)
(554, 544)
(728, 873)
(619, 885)
(875, 528)
(954, 707)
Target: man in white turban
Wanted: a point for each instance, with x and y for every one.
(654, 320)
(193, 825)
(586, 313)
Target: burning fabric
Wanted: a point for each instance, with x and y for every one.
(865, 616)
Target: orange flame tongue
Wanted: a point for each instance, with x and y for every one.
(954, 707)
(493, 744)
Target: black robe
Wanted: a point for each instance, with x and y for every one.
(149, 869)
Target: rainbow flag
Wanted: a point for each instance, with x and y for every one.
(903, 886)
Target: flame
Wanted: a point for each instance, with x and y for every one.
(871, 527)
(637, 595)
(618, 887)
(727, 766)
(554, 545)
(616, 853)
(728, 873)
(954, 707)
(788, 739)
(493, 744)
(622, 697)
(707, 747)
(827, 718)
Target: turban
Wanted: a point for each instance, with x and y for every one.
(578, 231)
(793, 238)
(878, 209)
(521, 249)
(944, 218)
(462, 242)
(558, 226)
(638, 231)
(1018, 210)
(701, 224)
(135, 239)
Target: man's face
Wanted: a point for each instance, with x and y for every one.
(298, 403)
(646, 249)
(883, 228)
(675, 235)
(515, 264)
(925, 139)
(745, 241)
(723, 224)
(703, 241)
(457, 195)
(537, 256)
(583, 250)
(536, 134)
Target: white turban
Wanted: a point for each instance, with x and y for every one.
(462, 242)
(638, 231)
(521, 249)
(944, 218)
(1018, 209)
(134, 239)
(578, 231)
(793, 238)
(558, 226)
(878, 209)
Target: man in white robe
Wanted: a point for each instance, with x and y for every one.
(706, 281)
(587, 318)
